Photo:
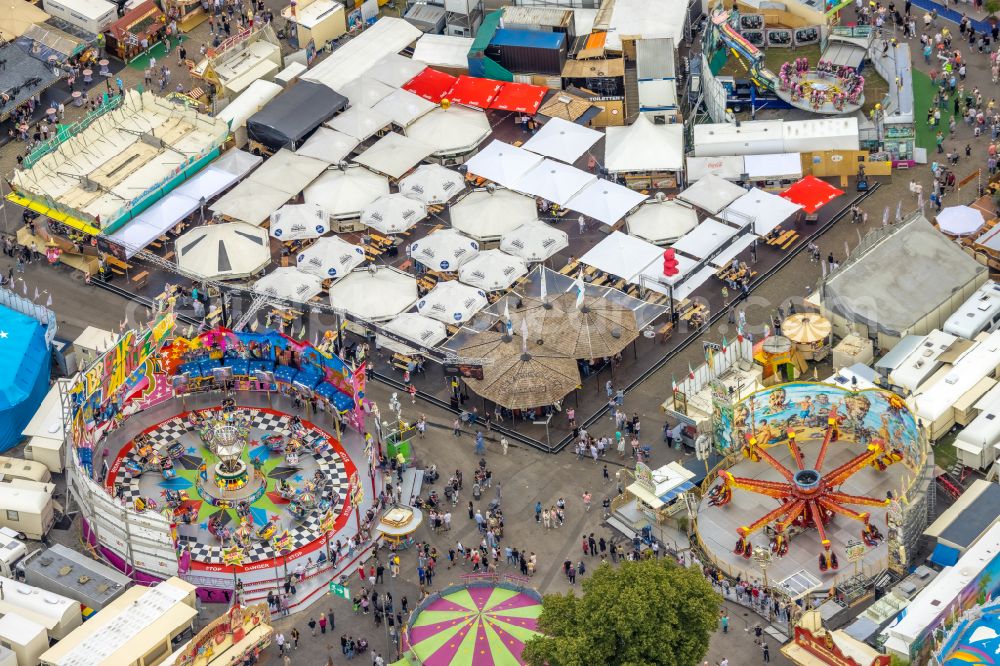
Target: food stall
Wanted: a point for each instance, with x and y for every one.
(810, 333)
(657, 491)
(124, 37)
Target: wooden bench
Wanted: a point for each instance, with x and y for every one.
(664, 332)
(400, 361)
(569, 268)
(169, 256)
(140, 280)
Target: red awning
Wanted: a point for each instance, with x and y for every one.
(811, 193)
(520, 97)
(473, 91)
(430, 84)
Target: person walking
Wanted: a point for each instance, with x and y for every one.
(322, 623)
(766, 652)
(538, 512)
(295, 638)
(279, 640)
(587, 497)
(312, 625)
(504, 444)
(480, 443)
(724, 621)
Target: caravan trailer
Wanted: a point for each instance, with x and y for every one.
(979, 314)
(90, 15)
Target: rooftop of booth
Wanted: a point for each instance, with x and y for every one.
(285, 373)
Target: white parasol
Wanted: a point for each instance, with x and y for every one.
(432, 184)
(452, 302)
(330, 257)
(534, 241)
(960, 220)
(299, 222)
(444, 250)
(289, 284)
(393, 213)
(493, 270)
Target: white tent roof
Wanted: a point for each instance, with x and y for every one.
(646, 19)
(393, 213)
(254, 199)
(644, 146)
(960, 220)
(330, 257)
(253, 98)
(394, 155)
(299, 222)
(657, 94)
(207, 183)
(403, 107)
(562, 140)
(452, 131)
(622, 255)
(223, 251)
(773, 165)
(385, 38)
(422, 330)
(328, 145)
(359, 122)
(693, 281)
(394, 70)
(365, 91)
(492, 270)
(704, 239)
(433, 184)
(502, 163)
(488, 216)
(534, 241)
(733, 250)
(374, 294)
(554, 181)
(605, 201)
(766, 210)
(712, 193)
(238, 162)
(662, 222)
(653, 278)
(343, 194)
(729, 167)
(448, 51)
(444, 250)
(154, 222)
(289, 284)
(452, 302)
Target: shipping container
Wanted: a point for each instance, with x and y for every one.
(428, 18)
(529, 51)
(546, 19)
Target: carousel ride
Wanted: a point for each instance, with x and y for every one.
(827, 88)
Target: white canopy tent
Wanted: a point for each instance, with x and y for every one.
(562, 140)
(605, 201)
(383, 40)
(732, 250)
(265, 190)
(330, 257)
(394, 155)
(422, 330)
(704, 239)
(534, 241)
(328, 145)
(712, 193)
(763, 209)
(449, 52)
(456, 130)
(374, 293)
(729, 167)
(223, 251)
(237, 162)
(692, 282)
(153, 222)
(452, 302)
(433, 184)
(299, 222)
(661, 222)
(404, 108)
(487, 216)
(445, 250)
(393, 213)
(503, 163)
(206, 184)
(644, 146)
(359, 122)
(652, 277)
(960, 220)
(622, 255)
(492, 270)
(395, 70)
(554, 181)
(785, 166)
(289, 284)
(343, 194)
(365, 91)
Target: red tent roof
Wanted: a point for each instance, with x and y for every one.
(473, 91)
(811, 193)
(430, 84)
(520, 97)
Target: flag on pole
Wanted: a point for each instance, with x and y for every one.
(739, 333)
(920, 201)
(767, 330)
(822, 265)
(725, 344)
(710, 357)
(847, 250)
(579, 286)
(36, 294)
(690, 371)
(885, 217)
(24, 287)
(859, 235)
(673, 383)
(899, 210)
(508, 324)
(524, 335)
(545, 288)
(48, 302)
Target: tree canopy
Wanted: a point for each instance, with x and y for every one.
(642, 613)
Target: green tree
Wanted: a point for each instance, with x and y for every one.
(992, 7)
(650, 612)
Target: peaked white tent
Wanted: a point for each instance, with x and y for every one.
(328, 145)
(365, 91)
(299, 222)
(393, 213)
(445, 250)
(492, 270)
(704, 239)
(503, 163)
(661, 222)
(374, 293)
(712, 193)
(762, 209)
(432, 184)
(534, 241)
(644, 146)
(395, 70)
(289, 284)
(622, 255)
(343, 194)
(330, 257)
(554, 181)
(456, 130)
(394, 155)
(422, 330)
(223, 251)
(562, 140)
(605, 201)
(452, 302)
(359, 122)
(486, 215)
(403, 107)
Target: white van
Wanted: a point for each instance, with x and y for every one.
(981, 313)
(91, 15)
